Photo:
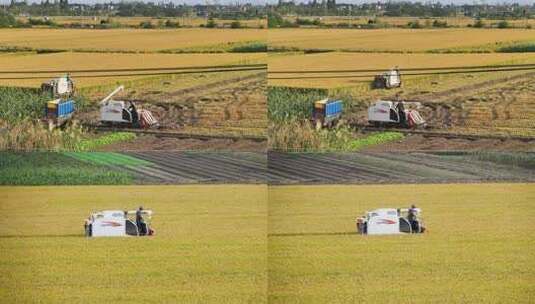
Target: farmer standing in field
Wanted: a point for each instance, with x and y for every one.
(413, 220)
(140, 222)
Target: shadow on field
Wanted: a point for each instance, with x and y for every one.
(310, 234)
(40, 236)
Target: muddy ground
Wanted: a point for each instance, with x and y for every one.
(150, 142)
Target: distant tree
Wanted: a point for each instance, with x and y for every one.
(414, 24)
(479, 23)
(274, 20)
(7, 20)
(438, 23)
(211, 23)
(503, 24)
(235, 24)
(172, 24)
(146, 25)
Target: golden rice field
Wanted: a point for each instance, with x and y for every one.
(135, 21)
(346, 60)
(479, 248)
(405, 40)
(78, 61)
(209, 247)
(125, 39)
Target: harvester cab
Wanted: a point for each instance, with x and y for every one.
(388, 80)
(61, 108)
(109, 223)
(124, 113)
(326, 113)
(395, 114)
(391, 221)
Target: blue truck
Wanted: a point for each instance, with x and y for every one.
(326, 112)
(58, 111)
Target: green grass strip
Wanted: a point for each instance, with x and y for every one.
(45, 168)
(94, 143)
(108, 158)
(375, 139)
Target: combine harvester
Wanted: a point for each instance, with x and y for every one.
(388, 80)
(124, 113)
(61, 109)
(326, 113)
(118, 223)
(391, 221)
(393, 114)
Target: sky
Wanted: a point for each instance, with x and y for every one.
(275, 1)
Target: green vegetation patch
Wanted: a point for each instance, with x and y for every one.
(286, 104)
(94, 143)
(374, 139)
(497, 47)
(48, 168)
(229, 47)
(17, 104)
(107, 158)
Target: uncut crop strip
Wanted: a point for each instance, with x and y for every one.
(322, 168)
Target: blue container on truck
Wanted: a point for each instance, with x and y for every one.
(58, 111)
(327, 112)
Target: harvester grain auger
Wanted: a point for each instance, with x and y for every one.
(124, 113)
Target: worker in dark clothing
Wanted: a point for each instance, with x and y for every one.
(140, 222)
(401, 112)
(413, 219)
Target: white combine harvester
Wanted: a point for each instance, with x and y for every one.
(118, 223)
(393, 114)
(388, 80)
(62, 87)
(124, 113)
(391, 221)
